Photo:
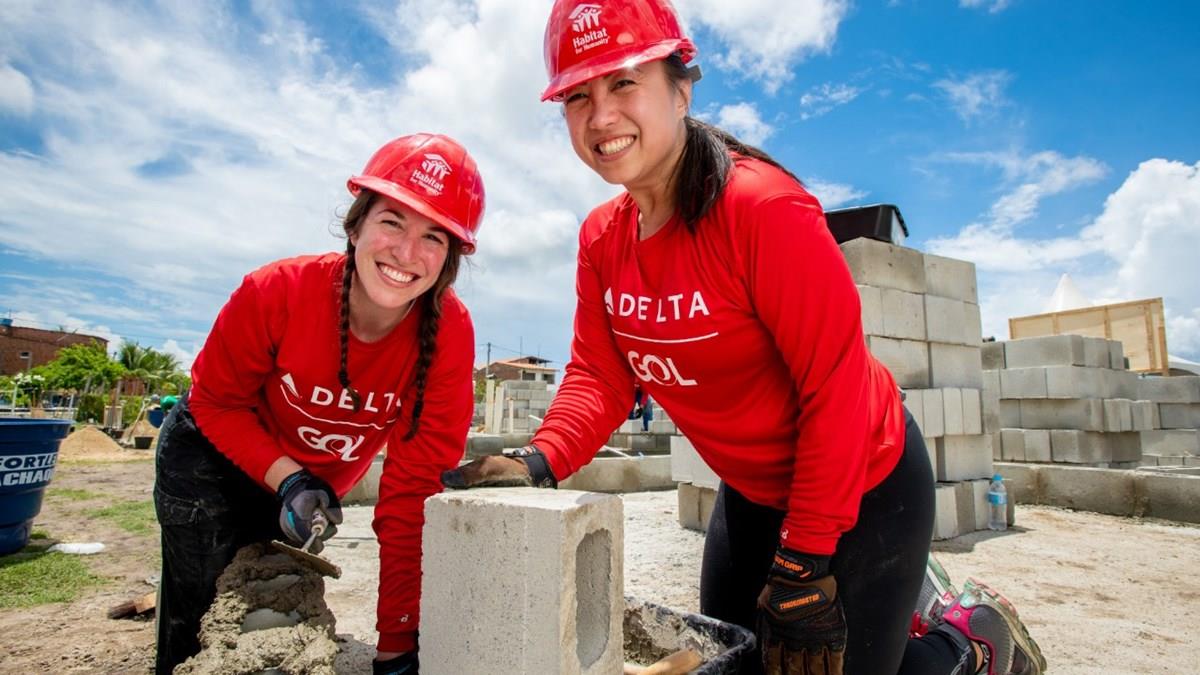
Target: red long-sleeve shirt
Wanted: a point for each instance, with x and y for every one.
(748, 334)
(265, 385)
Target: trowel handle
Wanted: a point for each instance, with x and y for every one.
(319, 522)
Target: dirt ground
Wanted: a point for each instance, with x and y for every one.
(1101, 594)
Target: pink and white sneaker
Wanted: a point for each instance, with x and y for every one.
(936, 594)
(988, 618)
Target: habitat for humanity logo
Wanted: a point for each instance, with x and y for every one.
(433, 171)
(585, 20)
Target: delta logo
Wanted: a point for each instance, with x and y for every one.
(585, 20)
(432, 173)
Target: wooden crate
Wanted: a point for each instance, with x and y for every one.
(1139, 325)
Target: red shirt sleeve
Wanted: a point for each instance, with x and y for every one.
(595, 394)
(804, 294)
(412, 473)
(229, 374)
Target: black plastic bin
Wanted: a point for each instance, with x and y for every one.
(653, 632)
(882, 222)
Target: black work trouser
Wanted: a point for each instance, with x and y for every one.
(207, 509)
(879, 566)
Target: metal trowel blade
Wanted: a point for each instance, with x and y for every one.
(311, 559)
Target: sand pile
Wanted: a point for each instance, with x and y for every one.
(140, 428)
(269, 615)
(89, 443)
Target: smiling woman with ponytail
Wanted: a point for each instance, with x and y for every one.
(312, 367)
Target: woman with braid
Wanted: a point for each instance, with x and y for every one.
(312, 367)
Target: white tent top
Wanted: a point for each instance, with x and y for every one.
(1067, 296)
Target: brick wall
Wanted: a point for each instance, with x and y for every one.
(43, 345)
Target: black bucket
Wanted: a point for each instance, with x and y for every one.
(653, 632)
(28, 455)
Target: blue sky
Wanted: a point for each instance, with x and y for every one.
(152, 154)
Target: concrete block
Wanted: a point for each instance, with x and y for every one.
(972, 408)
(964, 506)
(1079, 447)
(366, 490)
(1120, 383)
(1116, 355)
(1126, 448)
(1013, 445)
(996, 447)
(875, 263)
(914, 402)
(979, 488)
(708, 498)
(1179, 415)
(935, 413)
(1086, 489)
(1179, 389)
(570, 621)
(663, 427)
(945, 522)
(1021, 483)
(1023, 383)
(1050, 350)
(871, 304)
(1118, 414)
(1083, 414)
(945, 321)
(950, 278)
(1010, 414)
(964, 458)
(952, 417)
(622, 474)
(903, 314)
(516, 440)
(688, 466)
(1074, 382)
(1037, 445)
(481, 445)
(1096, 353)
(993, 356)
(1171, 442)
(954, 366)
(908, 360)
(931, 450)
(990, 401)
(972, 325)
(1145, 414)
(1172, 496)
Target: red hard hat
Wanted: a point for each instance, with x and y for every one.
(433, 175)
(590, 38)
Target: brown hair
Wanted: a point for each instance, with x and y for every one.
(432, 309)
(703, 169)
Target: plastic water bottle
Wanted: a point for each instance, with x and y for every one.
(997, 504)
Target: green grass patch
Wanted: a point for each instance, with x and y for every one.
(38, 534)
(133, 517)
(71, 495)
(29, 578)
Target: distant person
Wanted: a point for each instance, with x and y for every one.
(746, 328)
(311, 367)
(647, 412)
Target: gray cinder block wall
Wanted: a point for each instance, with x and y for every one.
(538, 571)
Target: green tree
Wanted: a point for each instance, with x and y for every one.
(149, 365)
(83, 367)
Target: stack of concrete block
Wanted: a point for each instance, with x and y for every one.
(921, 319)
(655, 441)
(1069, 399)
(1177, 440)
(517, 400)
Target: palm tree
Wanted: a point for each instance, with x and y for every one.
(149, 365)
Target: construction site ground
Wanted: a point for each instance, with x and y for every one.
(1101, 594)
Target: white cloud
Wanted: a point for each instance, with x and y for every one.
(993, 6)
(16, 92)
(743, 121)
(977, 95)
(1142, 245)
(820, 100)
(833, 195)
(764, 38)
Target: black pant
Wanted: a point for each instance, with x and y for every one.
(208, 509)
(879, 566)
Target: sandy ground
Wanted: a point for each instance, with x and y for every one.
(1100, 594)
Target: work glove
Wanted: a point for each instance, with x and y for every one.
(301, 495)
(517, 467)
(405, 664)
(801, 628)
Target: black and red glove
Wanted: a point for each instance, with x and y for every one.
(517, 467)
(801, 628)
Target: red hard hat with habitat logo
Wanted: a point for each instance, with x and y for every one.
(433, 175)
(586, 39)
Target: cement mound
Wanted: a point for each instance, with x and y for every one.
(269, 615)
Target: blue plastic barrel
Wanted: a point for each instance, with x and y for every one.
(155, 417)
(28, 455)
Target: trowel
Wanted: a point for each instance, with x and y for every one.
(308, 552)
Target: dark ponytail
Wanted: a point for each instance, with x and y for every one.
(704, 166)
(350, 225)
(427, 333)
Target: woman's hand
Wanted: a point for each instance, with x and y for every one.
(520, 467)
(801, 628)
